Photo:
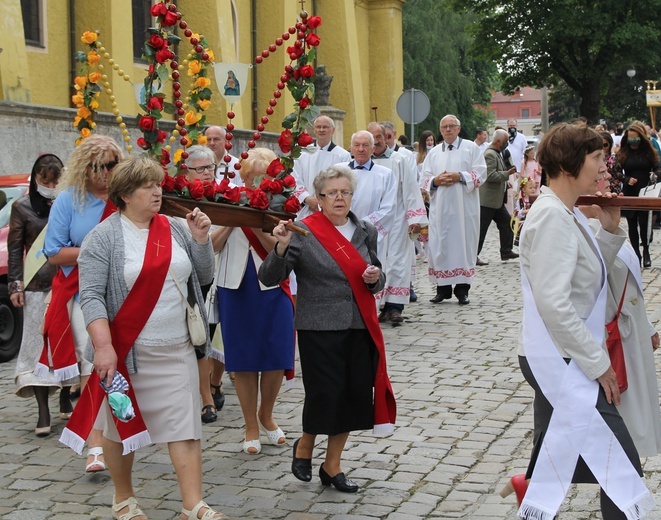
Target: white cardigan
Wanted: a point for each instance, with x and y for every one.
(234, 260)
(565, 275)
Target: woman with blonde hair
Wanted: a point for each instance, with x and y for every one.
(257, 322)
(81, 203)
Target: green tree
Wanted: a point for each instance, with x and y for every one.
(581, 42)
(438, 61)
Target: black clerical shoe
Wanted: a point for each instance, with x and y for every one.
(339, 481)
(509, 256)
(383, 316)
(480, 262)
(301, 468)
(395, 317)
(463, 299)
(647, 261)
(440, 296)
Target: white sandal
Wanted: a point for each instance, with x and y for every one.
(209, 514)
(252, 444)
(274, 435)
(132, 504)
(96, 453)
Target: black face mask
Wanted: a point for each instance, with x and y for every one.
(504, 146)
(512, 131)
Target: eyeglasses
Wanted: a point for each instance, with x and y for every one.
(606, 145)
(448, 127)
(334, 194)
(98, 167)
(201, 169)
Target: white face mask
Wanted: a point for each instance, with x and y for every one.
(48, 193)
(430, 146)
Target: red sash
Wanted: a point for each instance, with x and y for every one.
(353, 265)
(59, 353)
(284, 285)
(124, 329)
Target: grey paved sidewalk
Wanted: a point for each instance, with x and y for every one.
(464, 426)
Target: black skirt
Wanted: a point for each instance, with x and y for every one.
(338, 370)
(543, 410)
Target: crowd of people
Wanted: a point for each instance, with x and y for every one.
(105, 248)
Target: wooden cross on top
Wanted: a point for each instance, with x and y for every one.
(226, 173)
(302, 2)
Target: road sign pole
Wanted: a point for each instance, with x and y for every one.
(412, 112)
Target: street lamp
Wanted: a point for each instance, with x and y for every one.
(631, 73)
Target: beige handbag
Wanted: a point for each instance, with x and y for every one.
(197, 328)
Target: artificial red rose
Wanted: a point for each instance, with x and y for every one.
(297, 74)
(292, 205)
(163, 55)
(289, 181)
(170, 19)
(304, 103)
(168, 184)
(157, 42)
(307, 71)
(313, 22)
(286, 141)
(233, 194)
(155, 103)
(151, 69)
(296, 51)
(142, 143)
(165, 157)
(259, 199)
(147, 123)
(223, 186)
(312, 40)
(180, 182)
(209, 189)
(161, 136)
(277, 186)
(304, 139)
(274, 168)
(196, 189)
(159, 9)
(265, 185)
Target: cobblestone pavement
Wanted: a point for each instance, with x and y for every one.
(464, 426)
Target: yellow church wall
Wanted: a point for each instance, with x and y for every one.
(361, 47)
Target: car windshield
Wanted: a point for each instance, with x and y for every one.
(8, 195)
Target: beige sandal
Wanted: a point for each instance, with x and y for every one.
(209, 514)
(132, 504)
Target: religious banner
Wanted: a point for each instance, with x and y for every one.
(232, 80)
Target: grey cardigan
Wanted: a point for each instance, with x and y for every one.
(325, 300)
(101, 266)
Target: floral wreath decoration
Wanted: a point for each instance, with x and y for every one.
(275, 188)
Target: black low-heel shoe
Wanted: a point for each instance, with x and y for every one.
(301, 468)
(339, 481)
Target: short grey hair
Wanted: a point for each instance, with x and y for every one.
(330, 120)
(388, 125)
(338, 171)
(450, 115)
(366, 133)
(197, 151)
(500, 134)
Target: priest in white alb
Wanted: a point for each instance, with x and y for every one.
(376, 194)
(451, 174)
(314, 158)
(409, 215)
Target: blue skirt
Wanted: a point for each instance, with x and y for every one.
(257, 326)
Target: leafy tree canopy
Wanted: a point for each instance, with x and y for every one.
(589, 45)
(438, 61)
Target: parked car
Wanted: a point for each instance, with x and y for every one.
(12, 187)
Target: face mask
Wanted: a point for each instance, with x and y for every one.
(504, 146)
(512, 131)
(430, 146)
(634, 143)
(48, 193)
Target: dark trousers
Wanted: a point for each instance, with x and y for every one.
(502, 219)
(460, 289)
(393, 307)
(638, 220)
(542, 411)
